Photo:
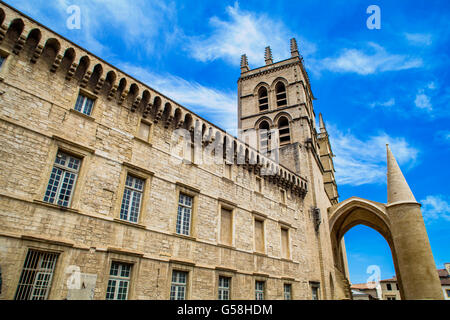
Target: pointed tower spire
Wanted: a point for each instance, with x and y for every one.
(244, 64)
(294, 48)
(268, 56)
(397, 187)
(322, 124)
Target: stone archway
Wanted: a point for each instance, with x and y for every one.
(402, 226)
(350, 213)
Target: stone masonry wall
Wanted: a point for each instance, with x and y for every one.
(37, 119)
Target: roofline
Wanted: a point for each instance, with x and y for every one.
(304, 178)
(106, 62)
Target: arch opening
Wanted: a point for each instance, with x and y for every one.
(280, 91)
(263, 99)
(264, 136)
(284, 131)
(344, 217)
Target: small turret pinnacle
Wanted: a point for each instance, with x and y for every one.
(294, 48)
(268, 56)
(322, 124)
(244, 64)
(397, 187)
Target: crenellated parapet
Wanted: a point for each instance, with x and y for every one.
(23, 37)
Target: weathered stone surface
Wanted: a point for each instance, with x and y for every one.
(40, 84)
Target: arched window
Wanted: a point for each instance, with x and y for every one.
(263, 99)
(280, 90)
(284, 131)
(264, 136)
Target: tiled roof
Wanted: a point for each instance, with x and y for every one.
(359, 293)
(444, 276)
(394, 279)
(363, 286)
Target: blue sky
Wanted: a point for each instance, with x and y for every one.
(373, 86)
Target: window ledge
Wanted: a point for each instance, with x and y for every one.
(184, 236)
(38, 238)
(226, 246)
(55, 206)
(260, 254)
(260, 274)
(132, 224)
(143, 141)
(182, 261)
(227, 180)
(226, 269)
(137, 168)
(81, 114)
(125, 251)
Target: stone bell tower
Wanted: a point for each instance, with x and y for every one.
(275, 107)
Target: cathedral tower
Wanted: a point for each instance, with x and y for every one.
(276, 115)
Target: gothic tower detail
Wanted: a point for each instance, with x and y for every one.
(275, 104)
(326, 158)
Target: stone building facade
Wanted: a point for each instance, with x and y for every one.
(111, 190)
(93, 205)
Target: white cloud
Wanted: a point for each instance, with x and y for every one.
(419, 38)
(435, 207)
(360, 162)
(245, 32)
(360, 62)
(432, 85)
(219, 107)
(387, 103)
(422, 101)
(137, 23)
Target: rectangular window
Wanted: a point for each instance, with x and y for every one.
(388, 286)
(84, 104)
(315, 292)
(259, 290)
(36, 277)
(144, 131)
(226, 227)
(228, 171)
(62, 180)
(259, 184)
(224, 288)
(185, 203)
(179, 283)
(119, 281)
(283, 196)
(287, 291)
(132, 198)
(259, 236)
(285, 243)
(2, 60)
(448, 293)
